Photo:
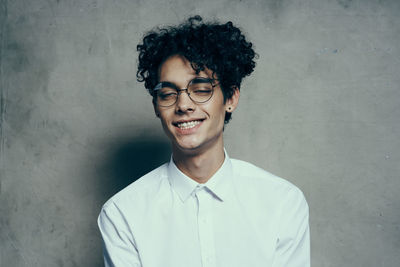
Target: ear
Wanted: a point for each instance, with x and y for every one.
(231, 103)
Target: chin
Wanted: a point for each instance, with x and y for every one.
(187, 147)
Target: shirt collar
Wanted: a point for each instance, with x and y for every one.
(219, 184)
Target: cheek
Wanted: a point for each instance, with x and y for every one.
(221, 107)
(166, 126)
(218, 113)
(164, 118)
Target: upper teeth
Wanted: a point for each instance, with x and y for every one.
(188, 125)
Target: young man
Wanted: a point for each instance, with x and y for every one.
(202, 208)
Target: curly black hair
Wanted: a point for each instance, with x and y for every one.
(222, 48)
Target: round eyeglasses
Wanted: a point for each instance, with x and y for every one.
(199, 90)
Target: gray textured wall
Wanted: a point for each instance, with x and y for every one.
(321, 110)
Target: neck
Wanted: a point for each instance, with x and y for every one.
(200, 165)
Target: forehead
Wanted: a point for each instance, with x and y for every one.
(178, 69)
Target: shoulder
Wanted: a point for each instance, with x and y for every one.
(264, 184)
(141, 190)
(253, 174)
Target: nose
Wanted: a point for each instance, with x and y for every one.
(184, 103)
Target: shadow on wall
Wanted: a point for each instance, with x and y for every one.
(131, 159)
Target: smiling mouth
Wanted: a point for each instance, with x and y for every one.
(187, 124)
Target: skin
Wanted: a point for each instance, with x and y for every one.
(197, 152)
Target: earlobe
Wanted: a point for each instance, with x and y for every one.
(232, 102)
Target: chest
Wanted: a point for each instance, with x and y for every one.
(207, 232)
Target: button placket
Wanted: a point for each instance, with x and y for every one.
(206, 232)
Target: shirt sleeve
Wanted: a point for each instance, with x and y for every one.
(119, 248)
(293, 244)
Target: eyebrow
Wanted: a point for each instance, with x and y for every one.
(168, 84)
(173, 85)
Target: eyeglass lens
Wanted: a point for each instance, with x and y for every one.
(200, 90)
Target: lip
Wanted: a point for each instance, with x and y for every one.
(190, 130)
(175, 123)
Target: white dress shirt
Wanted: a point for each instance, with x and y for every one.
(243, 216)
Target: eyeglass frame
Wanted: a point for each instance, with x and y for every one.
(178, 90)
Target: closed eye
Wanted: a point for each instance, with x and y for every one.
(199, 91)
(167, 95)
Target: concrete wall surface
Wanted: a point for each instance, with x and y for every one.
(322, 110)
